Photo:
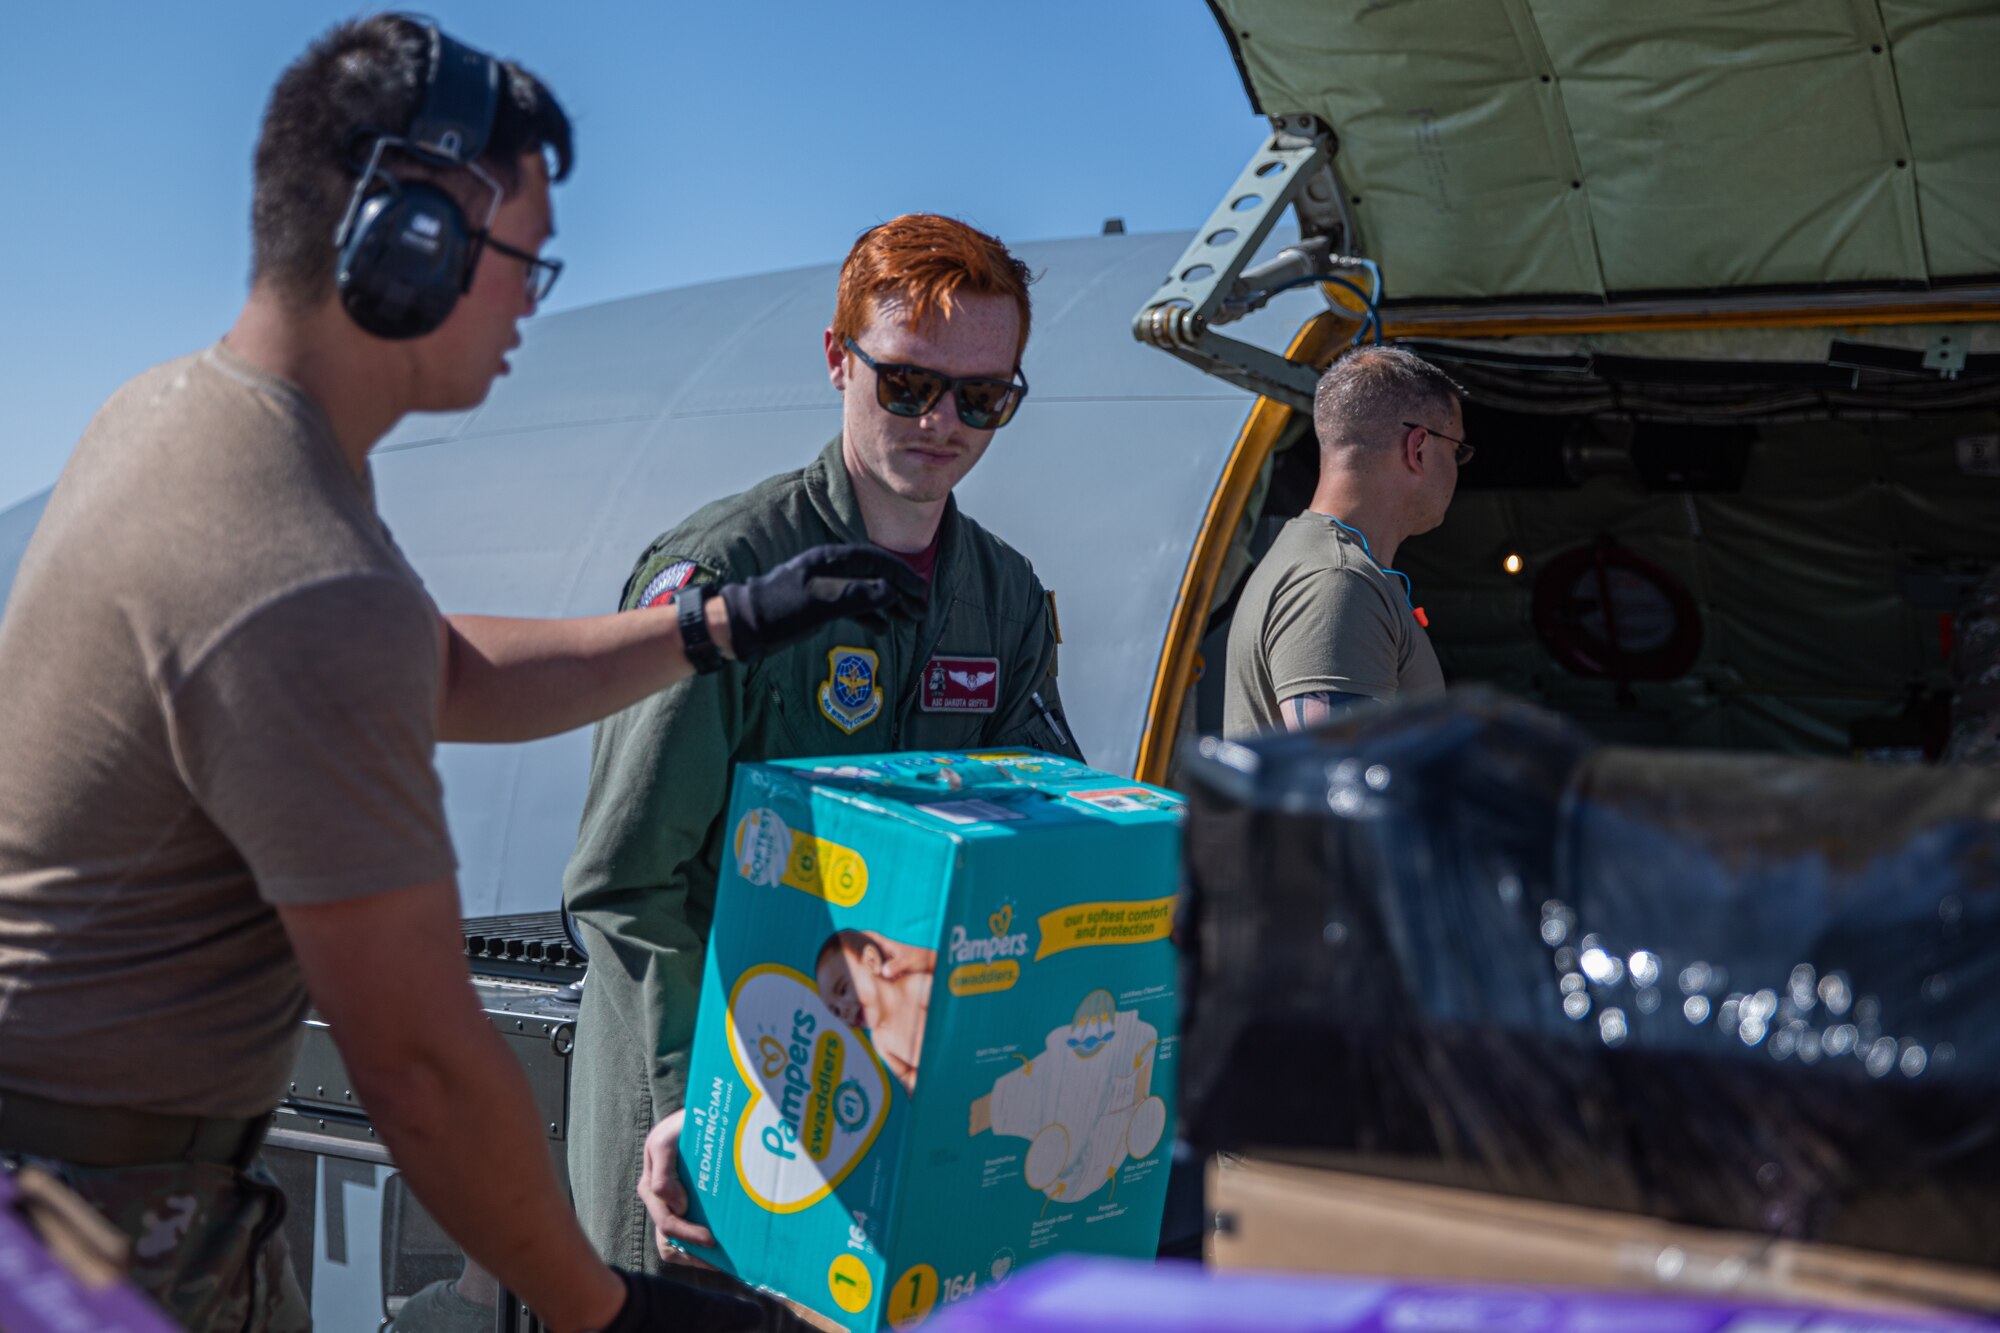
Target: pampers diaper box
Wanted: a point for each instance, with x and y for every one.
(938, 1027)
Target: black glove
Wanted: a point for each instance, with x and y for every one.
(661, 1305)
(815, 587)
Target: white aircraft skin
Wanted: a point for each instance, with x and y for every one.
(619, 420)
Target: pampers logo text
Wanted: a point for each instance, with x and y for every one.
(965, 949)
(985, 965)
(815, 1090)
(778, 1138)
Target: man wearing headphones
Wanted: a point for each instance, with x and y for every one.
(224, 686)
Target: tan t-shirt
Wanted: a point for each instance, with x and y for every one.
(1319, 615)
(219, 686)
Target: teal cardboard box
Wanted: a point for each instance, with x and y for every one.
(938, 1027)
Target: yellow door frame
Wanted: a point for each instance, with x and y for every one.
(1260, 435)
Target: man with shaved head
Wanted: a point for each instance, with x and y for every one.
(1326, 619)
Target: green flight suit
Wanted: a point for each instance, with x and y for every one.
(642, 882)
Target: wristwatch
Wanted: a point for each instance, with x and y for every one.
(702, 654)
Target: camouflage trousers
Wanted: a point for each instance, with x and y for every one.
(206, 1242)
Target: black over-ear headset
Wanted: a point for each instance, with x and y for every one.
(406, 250)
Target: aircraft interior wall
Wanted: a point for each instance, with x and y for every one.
(1784, 585)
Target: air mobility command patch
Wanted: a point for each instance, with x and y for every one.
(849, 697)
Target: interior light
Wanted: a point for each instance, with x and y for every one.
(1513, 564)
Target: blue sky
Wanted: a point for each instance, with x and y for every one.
(713, 140)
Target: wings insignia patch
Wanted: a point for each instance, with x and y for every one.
(960, 685)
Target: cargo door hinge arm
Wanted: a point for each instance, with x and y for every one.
(1210, 285)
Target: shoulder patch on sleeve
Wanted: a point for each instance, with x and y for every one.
(666, 579)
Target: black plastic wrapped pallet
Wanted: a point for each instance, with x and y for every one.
(1458, 942)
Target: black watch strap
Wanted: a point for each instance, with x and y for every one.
(702, 654)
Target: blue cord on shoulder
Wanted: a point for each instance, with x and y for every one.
(1360, 536)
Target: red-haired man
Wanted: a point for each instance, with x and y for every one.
(925, 350)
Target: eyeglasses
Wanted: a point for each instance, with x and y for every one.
(1462, 455)
(542, 273)
(984, 403)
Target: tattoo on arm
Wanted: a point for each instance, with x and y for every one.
(1302, 712)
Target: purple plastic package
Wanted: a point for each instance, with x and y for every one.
(39, 1294)
(1070, 1295)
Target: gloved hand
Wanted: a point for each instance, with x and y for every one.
(815, 587)
(662, 1305)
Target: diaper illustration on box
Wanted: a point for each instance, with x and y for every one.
(818, 1092)
(1085, 1103)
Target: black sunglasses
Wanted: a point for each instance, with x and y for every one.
(984, 403)
(1465, 451)
(542, 273)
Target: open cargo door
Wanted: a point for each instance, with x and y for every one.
(1722, 287)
